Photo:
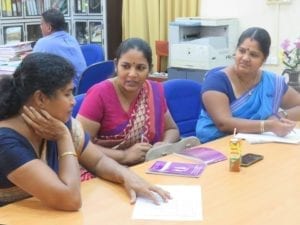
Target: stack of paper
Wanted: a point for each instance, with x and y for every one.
(185, 205)
(11, 52)
(291, 138)
(8, 68)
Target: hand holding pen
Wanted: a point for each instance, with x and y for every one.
(281, 127)
(144, 139)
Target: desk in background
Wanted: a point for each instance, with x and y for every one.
(265, 193)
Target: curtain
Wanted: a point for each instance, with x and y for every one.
(149, 19)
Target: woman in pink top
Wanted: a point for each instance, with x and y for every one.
(128, 112)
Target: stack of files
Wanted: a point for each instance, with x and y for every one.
(12, 52)
(8, 68)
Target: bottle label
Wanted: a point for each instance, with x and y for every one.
(235, 155)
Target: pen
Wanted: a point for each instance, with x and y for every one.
(280, 118)
(142, 138)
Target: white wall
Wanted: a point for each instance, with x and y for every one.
(281, 20)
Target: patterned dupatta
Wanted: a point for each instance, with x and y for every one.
(145, 123)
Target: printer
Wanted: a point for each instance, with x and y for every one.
(202, 43)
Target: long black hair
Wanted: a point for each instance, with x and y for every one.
(38, 71)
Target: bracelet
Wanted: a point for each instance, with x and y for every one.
(262, 126)
(67, 153)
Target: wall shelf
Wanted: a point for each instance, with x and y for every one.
(20, 20)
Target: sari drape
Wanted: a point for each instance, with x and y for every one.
(258, 103)
(145, 123)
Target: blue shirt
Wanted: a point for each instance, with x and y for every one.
(63, 44)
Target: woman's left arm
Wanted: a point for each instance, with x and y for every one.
(291, 104)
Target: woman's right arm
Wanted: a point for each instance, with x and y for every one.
(133, 155)
(62, 190)
(217, 106)
(92, 128)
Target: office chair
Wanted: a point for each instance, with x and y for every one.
(184, 102)
(92, 53)
(162, 50)
(95, 73)
(213, 70)
(79, 99)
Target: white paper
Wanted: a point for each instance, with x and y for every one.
(185, 205)
(291, 138)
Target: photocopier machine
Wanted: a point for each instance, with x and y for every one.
(202, 43)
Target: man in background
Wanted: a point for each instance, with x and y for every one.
(57, 41)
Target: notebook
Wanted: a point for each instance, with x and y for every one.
(266, 137)
(177, 168)
(205, 154)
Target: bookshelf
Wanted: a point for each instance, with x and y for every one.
(20, 20)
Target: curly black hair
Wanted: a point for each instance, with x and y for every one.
(38, 71)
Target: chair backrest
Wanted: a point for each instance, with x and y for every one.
(184, 102)
(95, 73)
(79, 99)
(161, 49)
(92, 53)
(213, 70)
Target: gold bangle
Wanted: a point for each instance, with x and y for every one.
(262, 126)
(67, 153)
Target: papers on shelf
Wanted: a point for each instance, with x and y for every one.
(8, 68)
(291, 138)
(185, 205)
(14, 52)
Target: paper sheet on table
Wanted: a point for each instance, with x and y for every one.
(185, 205)
(291, 138)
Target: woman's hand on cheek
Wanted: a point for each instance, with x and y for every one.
(44, 124)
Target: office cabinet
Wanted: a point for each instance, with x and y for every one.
(85, 19)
